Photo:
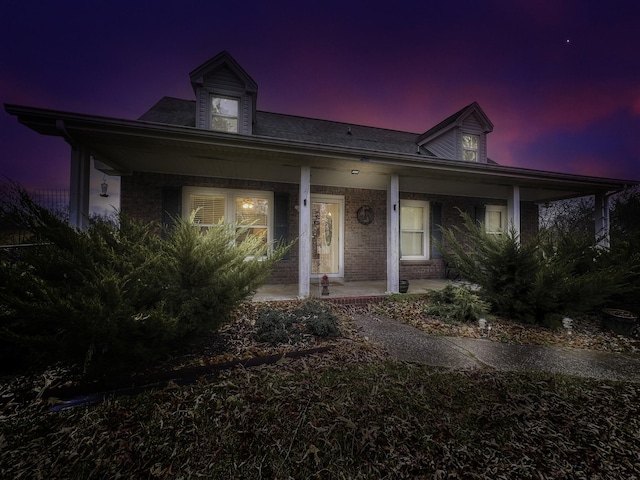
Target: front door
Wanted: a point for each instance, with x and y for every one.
(327, 235)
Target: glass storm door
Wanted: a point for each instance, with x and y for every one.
(326, 236)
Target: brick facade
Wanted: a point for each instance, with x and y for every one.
(365, 246)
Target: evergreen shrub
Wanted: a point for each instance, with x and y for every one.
(532, 281)
(288, 327)
(456, 303)
(115, 295)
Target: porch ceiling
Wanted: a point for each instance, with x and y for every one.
(125, 146)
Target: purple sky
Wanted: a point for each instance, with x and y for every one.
(560, 80)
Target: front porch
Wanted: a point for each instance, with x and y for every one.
(343, 290)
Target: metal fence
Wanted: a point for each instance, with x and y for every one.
(56, 200)
(13, 235)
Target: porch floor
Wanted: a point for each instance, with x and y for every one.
(269, 293)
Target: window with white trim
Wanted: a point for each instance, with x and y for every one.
(495, 219)
(470, 147)
(414, 230)
(250, 211)
(224, 114)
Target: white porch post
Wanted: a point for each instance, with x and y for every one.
(304, 232)
(602, 220)
(513, 209)
(393, 234)
(79, 187)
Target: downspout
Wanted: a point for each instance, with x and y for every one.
(79, 178)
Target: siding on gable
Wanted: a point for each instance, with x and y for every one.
(445, 145)
(223, 78)
(245, 115)
(202, 120)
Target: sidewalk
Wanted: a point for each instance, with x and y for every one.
(410, 344)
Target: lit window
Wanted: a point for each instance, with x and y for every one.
(414, 232)
(252, 215)
(470, 148)
(251, 211)
(224, 114)
(495, 219)
(209, 209)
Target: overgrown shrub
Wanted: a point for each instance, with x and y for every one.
(566, 221)
(114, 294)
(529, 282)
(311, 318)
(456, 303)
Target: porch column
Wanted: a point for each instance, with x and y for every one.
(513, 210)
(602, 220)
(393, 234)
(79, 187)
(304, 232)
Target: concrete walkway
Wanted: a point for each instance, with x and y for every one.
(410, 344)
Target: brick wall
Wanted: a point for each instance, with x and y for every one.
(365, 245)
(141, 197)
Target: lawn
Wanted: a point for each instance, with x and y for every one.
(351, 412)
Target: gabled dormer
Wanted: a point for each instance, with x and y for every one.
(225, 96)
(462, 136)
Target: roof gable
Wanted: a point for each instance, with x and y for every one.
(221, 61)
(457, 120)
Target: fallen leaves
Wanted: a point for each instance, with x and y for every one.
(586, 331)
(347, 413)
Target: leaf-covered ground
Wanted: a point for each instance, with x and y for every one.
(348, 413)
(586, 331)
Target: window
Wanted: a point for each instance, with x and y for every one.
(224, 114)
(251, 211)
(414, 232)
(495, 219)
(210, 209)
(470, 147)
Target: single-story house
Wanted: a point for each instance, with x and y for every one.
(365, 203)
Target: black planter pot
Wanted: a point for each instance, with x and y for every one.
(621, 322)
(403, 286)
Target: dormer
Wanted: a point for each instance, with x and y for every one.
(462, 136)
(225, 96)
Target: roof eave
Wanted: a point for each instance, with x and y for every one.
(47, 122)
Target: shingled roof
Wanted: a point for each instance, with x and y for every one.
(454, 119)
(174, 111)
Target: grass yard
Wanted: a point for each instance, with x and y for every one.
(346, 414)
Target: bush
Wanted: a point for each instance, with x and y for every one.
(115, 295)
(312, 318)
(549, 275)
(457, 303)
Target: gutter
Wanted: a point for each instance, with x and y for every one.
(34, 118)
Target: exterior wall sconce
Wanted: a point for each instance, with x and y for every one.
(103, 187)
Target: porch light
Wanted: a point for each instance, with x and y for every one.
(103, 187)
(355, 172)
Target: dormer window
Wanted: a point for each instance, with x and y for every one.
(470, 147)
(224, 114)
